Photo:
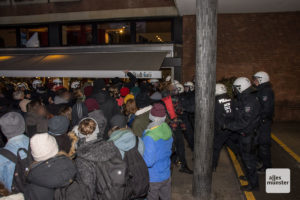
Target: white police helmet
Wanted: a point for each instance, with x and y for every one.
(57, 81)
(168, 78)
(179, 88)
(190, 85)
(241, 84)
(262, 77)
(175, 82)
(220, 89)
(36, 82)
(75, 84)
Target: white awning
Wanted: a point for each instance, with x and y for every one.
(85, 64)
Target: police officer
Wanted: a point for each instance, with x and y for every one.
(265, 95)
(223, 113)
(246, 121)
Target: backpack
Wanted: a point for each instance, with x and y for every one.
(76, 190)
(21, 169)
(137, 184)
(111, 179)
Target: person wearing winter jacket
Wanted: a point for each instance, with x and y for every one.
(13, 127)
(35, 118)
(91, 150)
(122, 136)
(158, 149)
(141, 120)
(79, 110)
(58, 128)
(51, 169)
(97, 114)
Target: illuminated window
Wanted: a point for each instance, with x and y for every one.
(27, 33)
(113, 33)
(77, 35)
(153, 31)
(8, 38)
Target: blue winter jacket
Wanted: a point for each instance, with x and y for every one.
(158, 149)
(7, 167)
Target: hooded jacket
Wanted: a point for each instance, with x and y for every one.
(141, 121)
(44, 177)
(125, 140)
(158, 149)
(88, 154)
(99, 117)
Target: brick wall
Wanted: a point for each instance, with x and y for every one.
(83, 5)
(248, 43)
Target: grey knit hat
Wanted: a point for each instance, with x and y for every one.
(118, 120)
(156, 96)
(12, 124)
(58, 125)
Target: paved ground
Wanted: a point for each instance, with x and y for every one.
(225, 182)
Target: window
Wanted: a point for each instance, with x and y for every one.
(27, 33)
(73, 35)
(113, 33)
(153, 31)
(28, 1)
(8, 38)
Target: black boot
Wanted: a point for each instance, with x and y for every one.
(185, 169)
(249, 188)
(244, 178)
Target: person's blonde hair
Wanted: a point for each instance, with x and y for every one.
(87, 126)
(130, 107)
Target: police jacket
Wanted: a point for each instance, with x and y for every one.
(223, 111)
(246, 114)
(265, 95)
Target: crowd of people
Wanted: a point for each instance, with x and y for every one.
(106, 139)
(119, 139)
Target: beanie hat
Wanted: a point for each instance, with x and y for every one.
(135, 91)
(88, 90)
(91, 104)
(118, 120)
(58, 125)
(142, 100)
(12, 124)
(128, 96)
(158, 110)
(99, 84)
(23, 104)
(124, 91)
(156, 96)
(43, 147)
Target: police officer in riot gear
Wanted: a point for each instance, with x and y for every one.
(265, 95)
(246, 122)
(223, 113)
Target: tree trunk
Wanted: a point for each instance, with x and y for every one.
(206, 50)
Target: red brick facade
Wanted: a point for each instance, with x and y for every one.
(83, 5)
(248, 43)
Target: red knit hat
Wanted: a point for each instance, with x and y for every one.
(124, 91)
(91, 104)
(158, 110)
(88, 90)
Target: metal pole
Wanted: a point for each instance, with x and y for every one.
(206, 50)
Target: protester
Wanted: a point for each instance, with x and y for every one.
(51, 170)
(35, 118)
(158, 149)
(130, 110)
(13, 127)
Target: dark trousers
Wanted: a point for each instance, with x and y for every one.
(160, 190)
(179, 145)
(189, 132)
(220, 139)
(248, 155)
(264, 143)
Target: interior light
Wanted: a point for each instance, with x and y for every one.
(2, 58)
(121, 31)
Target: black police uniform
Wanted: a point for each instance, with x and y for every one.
(265, 95)
(223, 113)
(247, 119)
